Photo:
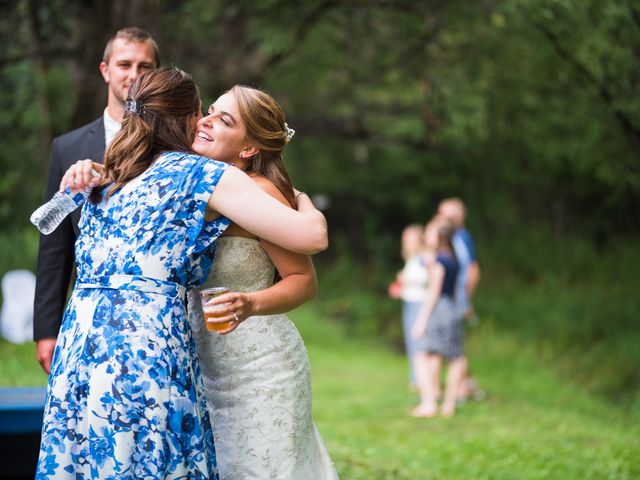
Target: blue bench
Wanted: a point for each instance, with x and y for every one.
(21, 411)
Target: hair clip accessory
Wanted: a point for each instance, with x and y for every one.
(132, 106)
(289, 132)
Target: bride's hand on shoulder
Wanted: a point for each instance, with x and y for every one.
(82, 175)
(304, 203)
(234, 307)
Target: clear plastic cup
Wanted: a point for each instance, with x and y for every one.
(211, 313)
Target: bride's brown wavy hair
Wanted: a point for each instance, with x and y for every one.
(167, 100)
(264, 121)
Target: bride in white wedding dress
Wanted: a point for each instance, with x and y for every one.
(257, 374)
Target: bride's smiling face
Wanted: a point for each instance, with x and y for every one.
(221, 134)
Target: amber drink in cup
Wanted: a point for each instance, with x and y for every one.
(211, 313)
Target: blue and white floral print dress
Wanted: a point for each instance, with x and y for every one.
(125, 398)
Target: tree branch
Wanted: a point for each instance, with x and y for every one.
(35, 54)
(631, 131)
(635, 14)
(412, 7)
(300, 32)
(354, 129)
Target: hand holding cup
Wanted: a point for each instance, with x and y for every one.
(223, 311)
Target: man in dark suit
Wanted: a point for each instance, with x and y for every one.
(128, 54)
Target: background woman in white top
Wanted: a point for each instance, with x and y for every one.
(411, 286)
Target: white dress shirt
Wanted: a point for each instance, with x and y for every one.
(111, 127)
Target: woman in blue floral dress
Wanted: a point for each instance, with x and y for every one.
(125, 397)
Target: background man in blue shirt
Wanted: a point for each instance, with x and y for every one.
(468, 276)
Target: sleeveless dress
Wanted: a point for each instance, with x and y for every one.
(125, 397)
(257, 379)
(445, 328)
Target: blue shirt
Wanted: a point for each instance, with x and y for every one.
(466, 254)
(451, 269)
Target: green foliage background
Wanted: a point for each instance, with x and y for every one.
(527, 109)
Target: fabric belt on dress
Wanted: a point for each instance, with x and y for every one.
(134, 282)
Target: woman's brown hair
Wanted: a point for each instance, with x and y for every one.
(445, 229)
(265, 124)
(160, 109)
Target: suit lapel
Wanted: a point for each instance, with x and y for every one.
(95, 141)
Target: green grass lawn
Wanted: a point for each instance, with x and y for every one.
(18, 367)
(533, 425)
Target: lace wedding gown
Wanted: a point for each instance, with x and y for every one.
(257, 380)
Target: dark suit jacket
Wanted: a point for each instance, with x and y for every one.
(56, 251)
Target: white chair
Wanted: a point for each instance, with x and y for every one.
(16, 316)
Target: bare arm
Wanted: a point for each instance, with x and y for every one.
(299, 282)
(297, 285)
(239, 198)
(436, 278)
(473, 277)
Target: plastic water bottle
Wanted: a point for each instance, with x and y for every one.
(48, 216)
